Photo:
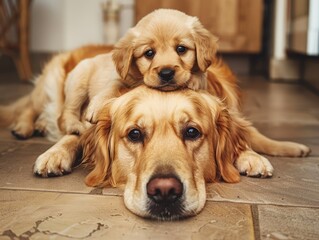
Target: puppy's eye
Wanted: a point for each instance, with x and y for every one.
(149, 53)
(135, 135)
(181, 49)
(191, 133)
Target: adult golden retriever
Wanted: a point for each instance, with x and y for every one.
(162, 147)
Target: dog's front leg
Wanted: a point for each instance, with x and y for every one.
(58, 159)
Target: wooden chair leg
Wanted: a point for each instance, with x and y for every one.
(23, 61)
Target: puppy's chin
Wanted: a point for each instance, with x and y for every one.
(168, 87)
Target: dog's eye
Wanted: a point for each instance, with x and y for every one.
(149, 53)
(191, 133)
(181, 49)
(135, 135)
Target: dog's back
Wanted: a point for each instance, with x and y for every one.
(49, 88)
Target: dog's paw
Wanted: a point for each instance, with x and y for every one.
(54, 162)
(22, 130)
(40, 127)
(291, 149)
(301, 150)
(252, 164)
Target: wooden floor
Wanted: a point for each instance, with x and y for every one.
(285, 206)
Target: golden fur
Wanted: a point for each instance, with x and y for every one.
(70, 90)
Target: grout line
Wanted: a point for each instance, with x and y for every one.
(255, 218)
(89, 193)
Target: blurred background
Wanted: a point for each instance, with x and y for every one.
(276, 39)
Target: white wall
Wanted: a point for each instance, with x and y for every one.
(65, 24)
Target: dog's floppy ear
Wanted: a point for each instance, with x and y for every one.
(95, 145)
(205, 43)
(230, 141)
(123, 54)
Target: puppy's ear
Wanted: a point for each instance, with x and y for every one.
(206, 45)
(123, 54)
(230, 141)
(95, 144)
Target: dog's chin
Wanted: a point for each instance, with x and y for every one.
(169, 212)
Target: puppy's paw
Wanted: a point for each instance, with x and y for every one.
(22, 130)
(91, 114)
(54, 162)
(252, 164)
(71, 125)
(75, 128)
(94, 108)
(194, 84)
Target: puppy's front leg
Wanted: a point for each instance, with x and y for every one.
(76, 93)
(252, 164)
(113, 88)
(58, 159)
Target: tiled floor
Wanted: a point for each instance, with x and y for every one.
(285, 206)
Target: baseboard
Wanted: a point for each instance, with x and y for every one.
(285, 70)
(310, 73)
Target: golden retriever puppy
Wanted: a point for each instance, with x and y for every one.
(167, 50)
(38, 111)
(162, 147)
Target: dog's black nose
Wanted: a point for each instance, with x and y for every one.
(166, 74)
(164, 190)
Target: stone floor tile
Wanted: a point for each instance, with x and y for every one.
(10, 91)
(16, 172)
(38, 215)
(295, 182)
(288, 223)
(7, 146)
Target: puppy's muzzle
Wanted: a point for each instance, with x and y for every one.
(166, 75)
(165, 195)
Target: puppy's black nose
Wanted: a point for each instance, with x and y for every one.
(166, 74)
(164, 190)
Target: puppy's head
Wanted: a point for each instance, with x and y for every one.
(167, 49)
(163, 147)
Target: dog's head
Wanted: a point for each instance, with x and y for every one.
(167, 49)
(163, 147)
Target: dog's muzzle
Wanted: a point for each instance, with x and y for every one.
(165, 195)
